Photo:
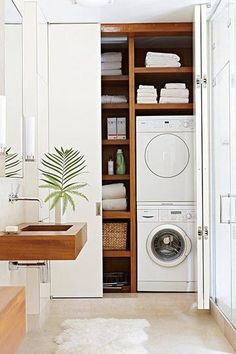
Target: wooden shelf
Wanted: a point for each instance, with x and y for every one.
(115, 142)
(123, 289)
(165, 106)
(115, 78)
(167, 71)
(116, 214)
(115, 106)
(115, 177)
(116, 253)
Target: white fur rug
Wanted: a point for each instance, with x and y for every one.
(102, 336)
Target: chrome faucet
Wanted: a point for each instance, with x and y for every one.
(13, 197)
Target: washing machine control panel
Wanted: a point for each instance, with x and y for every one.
(185, 123)
(177, 215)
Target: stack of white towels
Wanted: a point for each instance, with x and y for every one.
(114, 197)
(162, 60)
(174, 93)
(114, 99)
(111, 63)
(146, 94)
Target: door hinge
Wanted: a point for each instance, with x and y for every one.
(199, 232)
(229, 22)
(213, 46)
(213, 82)
(206, 232)
(201, 81)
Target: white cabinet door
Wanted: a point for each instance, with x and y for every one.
(75, 121)
(202, 161)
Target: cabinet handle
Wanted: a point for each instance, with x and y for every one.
(98, 209)
(233, 221)
(222, 196)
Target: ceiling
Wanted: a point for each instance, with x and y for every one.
(57, 11)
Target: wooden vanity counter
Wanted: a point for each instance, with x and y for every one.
(41, 241)
(12, 318)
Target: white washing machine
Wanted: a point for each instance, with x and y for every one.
(166, 248)
(165, 158)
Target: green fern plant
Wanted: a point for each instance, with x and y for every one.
(62, 168)
(12, 163)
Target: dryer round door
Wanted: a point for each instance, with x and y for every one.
(168, 245)
(167, 155)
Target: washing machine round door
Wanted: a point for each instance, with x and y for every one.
(167, 155)
(168, 245)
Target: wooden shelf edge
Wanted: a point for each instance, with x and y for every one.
(164, 106)
(116, 214)
(181, 70)
(115, 177)
(116, 253)
(115, 106)
(115, 78)
(115, 142)
(124, 289)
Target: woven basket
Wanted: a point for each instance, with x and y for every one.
(115, 236)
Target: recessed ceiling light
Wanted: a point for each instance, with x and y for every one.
(93, 3)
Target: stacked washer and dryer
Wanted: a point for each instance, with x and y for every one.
(165, 203)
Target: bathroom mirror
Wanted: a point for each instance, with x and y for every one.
(13, 90)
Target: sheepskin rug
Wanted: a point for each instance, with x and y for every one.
(102, 336)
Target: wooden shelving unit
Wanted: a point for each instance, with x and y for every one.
(115, 177)
(165, 106)
(116, 253)
(115, 142)
(140, 39)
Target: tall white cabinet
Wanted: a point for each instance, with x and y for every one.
(74, 121)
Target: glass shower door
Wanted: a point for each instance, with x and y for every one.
(223, 157)
(221, 179)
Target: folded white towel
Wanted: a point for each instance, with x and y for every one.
(113, 191)
(146, 87)
(163, 64)
(173, 100)
(111, 65)
(111, 56)
(165, 55)
(114, 204)
(174, 93)
(146, 94)
(177, 85)
(146, 100)
(111, 72)
(114, 99)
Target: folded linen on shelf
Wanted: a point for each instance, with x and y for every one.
(173, 100)
(114, 204)
(174, 93)
(172, 85)
(111, 65)
(163, 64)
(111, 56)
(113, 191)
(146, 93)
(111, 72)
(146, 100)
(164, 55)
(113, 99)
(146, 87)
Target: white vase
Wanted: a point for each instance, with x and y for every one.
(58, 212)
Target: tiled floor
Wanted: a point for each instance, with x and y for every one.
(176, 326)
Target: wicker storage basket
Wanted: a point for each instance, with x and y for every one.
(114, 236)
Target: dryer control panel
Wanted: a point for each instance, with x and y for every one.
(167, 215)
(154, 124)
(176, 215)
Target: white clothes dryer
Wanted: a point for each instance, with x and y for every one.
(166, 248)
(165, 158)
